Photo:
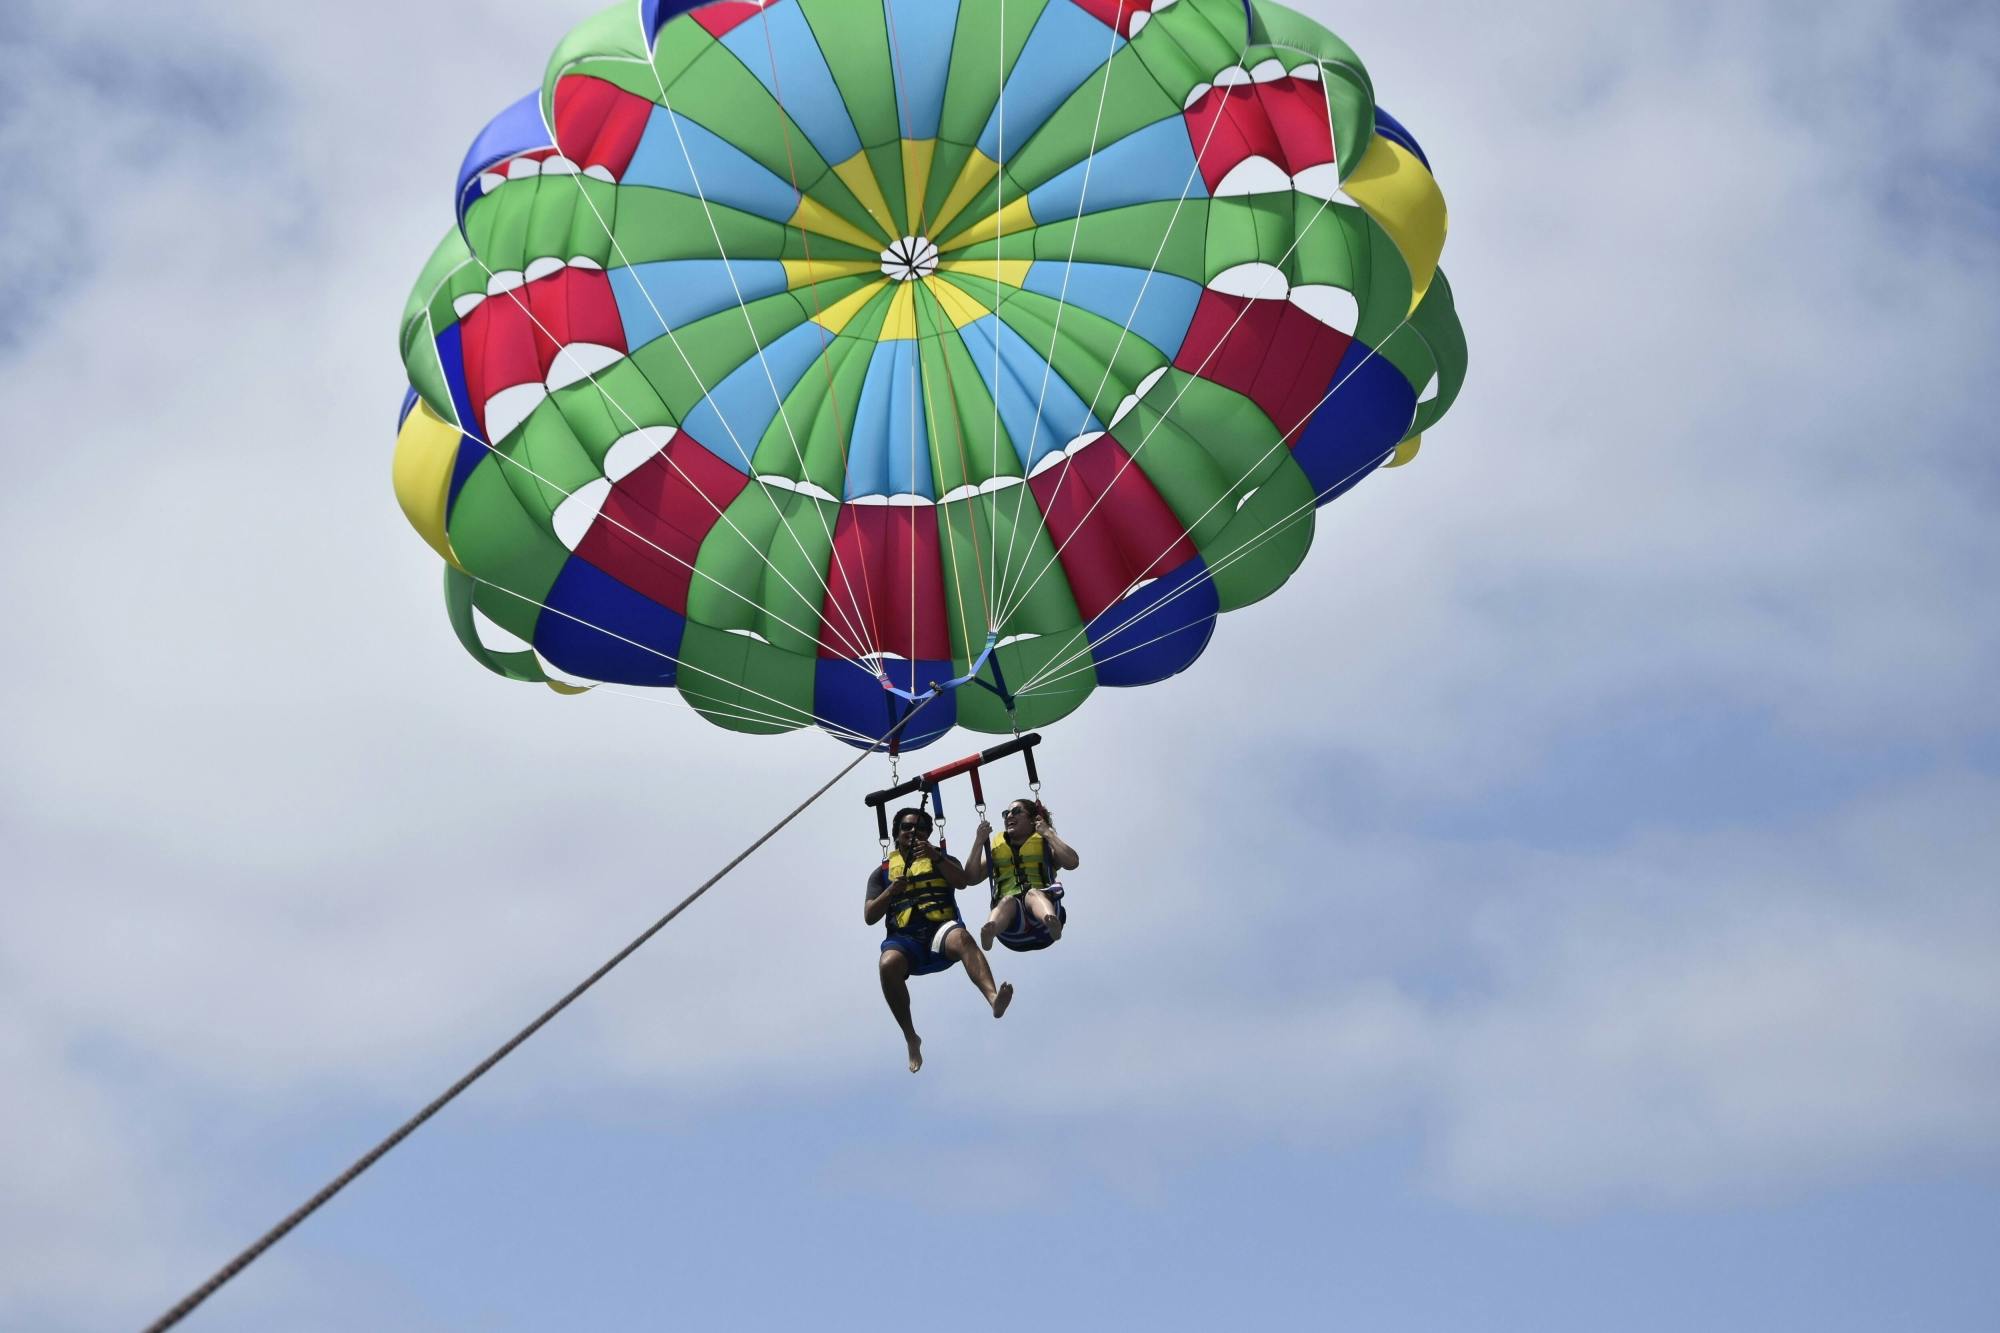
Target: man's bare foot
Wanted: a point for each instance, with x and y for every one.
(916, 1046)
(986, 934)
(1002, 998)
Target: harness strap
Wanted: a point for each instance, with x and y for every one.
(1012, 868)
(929, 894)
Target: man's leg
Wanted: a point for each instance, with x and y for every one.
(1043, 908)
(895, 972)
(959, 946)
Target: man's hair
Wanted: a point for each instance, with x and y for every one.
(896, 824)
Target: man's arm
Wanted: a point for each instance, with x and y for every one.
(946, 865)
(878, 902)
(949, 867)
(1060, 852)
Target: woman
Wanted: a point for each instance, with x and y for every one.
(1023, 859)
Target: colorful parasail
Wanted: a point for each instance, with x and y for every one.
(801, 355)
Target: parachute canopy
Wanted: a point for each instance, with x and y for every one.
(796, 352)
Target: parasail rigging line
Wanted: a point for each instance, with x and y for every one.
(1053, 673)
(851, 635)
(827, 338)
(792, 714)
(1062, 304)
(901, 91)
(1008, 601)
(999, 211)
(1066, 656)
(750, 326)
(912, 542)
(945, 536)
(964, 458)
(326, 1192)
(1324, 206)
(850, 651)
(895, 58)
(740, 713)
(637, 536)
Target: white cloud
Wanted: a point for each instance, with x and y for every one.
(1678, 1018)
(1713, 436)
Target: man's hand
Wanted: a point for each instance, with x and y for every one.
(873, 910)
(984, 833)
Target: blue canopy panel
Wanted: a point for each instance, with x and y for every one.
(1151, 165)
(1157, 631)
(666, 295)
(471, 452)
(889, 449)
(924, 33)
(519, 129)
(802, 83)
(682, 156)
(597, 628)
(1065, 48)
(1361, 421)
(846, 696)
(1392, 129)
(1156, 307)
(731, 420)
(1031, 383)
(655, 13)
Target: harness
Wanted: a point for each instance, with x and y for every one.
(1016, 871)
(926, 896)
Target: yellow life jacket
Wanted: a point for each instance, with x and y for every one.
(1016, 871)
(926, 897)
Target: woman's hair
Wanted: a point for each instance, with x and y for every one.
(1035, 807)
(896, 824)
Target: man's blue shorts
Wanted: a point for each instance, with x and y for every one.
(925, 952)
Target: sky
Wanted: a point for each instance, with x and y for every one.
(1592, 924)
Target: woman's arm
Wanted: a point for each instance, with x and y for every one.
(1060, 852)
(976, 867)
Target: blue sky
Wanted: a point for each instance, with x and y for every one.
(1599, 932)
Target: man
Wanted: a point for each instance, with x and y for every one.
(1028, 913)
(915, 891)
